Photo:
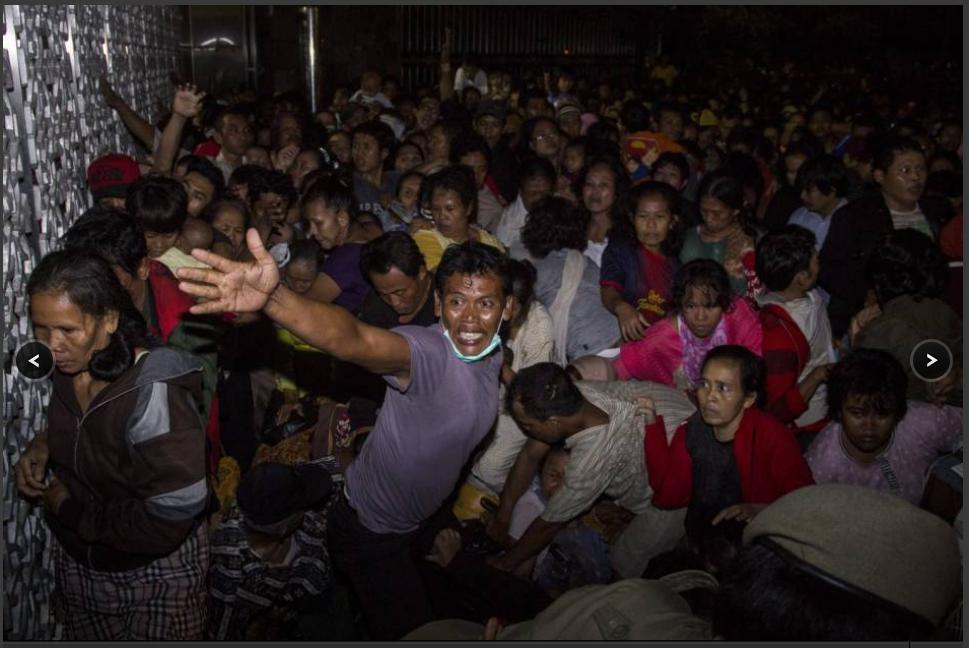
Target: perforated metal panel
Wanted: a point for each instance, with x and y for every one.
(55, 123)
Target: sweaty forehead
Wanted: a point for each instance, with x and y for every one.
(478, 285)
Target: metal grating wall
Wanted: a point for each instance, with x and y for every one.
(514, 38)
(55, 123)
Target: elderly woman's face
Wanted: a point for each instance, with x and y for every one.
(72, 335)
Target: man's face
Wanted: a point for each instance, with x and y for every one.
(200, 192)
(367, 154)
(671, 125)
(820, 124)
(950, 138)
(489, 128)
(536, 107)
(671, 175)
(547, 431)
(553, 472)
(339, 144)
(533, 190)
(72, 335)
(428, 110)
(599, 190)
(545, 140)
(866, 429)
(232, 223)
(236, 134)
(370, 83)
(471, 310)
(438, 147)
(720, 394)
(479, 164)
(819, 202)
(404, 294)
(270, 208)
(904, 180)
(158, 243)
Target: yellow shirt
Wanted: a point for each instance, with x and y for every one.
(432, 244)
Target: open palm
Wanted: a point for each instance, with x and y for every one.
(231, 285)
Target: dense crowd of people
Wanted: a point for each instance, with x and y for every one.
(511, 358)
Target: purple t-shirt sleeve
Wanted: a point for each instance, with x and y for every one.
(427, 359)
(343, 266)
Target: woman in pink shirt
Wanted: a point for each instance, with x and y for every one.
(705, 315)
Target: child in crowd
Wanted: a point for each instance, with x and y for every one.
(638, 268)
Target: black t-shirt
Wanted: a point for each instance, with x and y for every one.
(716, 482)
(350, 380)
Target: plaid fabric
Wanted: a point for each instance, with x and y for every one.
(164, 600)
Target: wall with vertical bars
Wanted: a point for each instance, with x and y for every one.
(510, 37)
(55, 123)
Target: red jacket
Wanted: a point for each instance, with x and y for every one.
(171, 304)
(786, 353)
(769, 461)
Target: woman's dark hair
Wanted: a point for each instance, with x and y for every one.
(635, 116)
(332, 192)
(111, 234)
(652, 189)
(704, 275)
(391, 250)
(544, 390)
(459, 179)
(404, 177)
(409, 143)
(824, 172)
(475, 259)
(92, 286)
(536, 167)
(523, 276)
(873, 375)
(677, 160)
(205, 168)
(244, 175)
(906, 263)
(555, 224)
(468, 143)
(765, 597)
(306, 250)
(272, 182)
(377, 130)
(159, 204)
(213, 208)
(750, 365)
(781, 255)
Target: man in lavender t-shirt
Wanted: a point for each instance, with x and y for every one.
(425, 433)
(876, 438)
(443, 401)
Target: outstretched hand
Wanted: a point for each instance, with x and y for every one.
(188, 101)
(234, 286)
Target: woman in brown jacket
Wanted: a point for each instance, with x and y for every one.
(126, 447)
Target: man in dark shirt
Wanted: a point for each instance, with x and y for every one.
(394, 266)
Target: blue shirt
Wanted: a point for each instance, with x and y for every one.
(815, 222)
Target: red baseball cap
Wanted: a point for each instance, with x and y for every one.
(110, 175)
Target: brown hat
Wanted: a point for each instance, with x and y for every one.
(632, 609)
(863, 539)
